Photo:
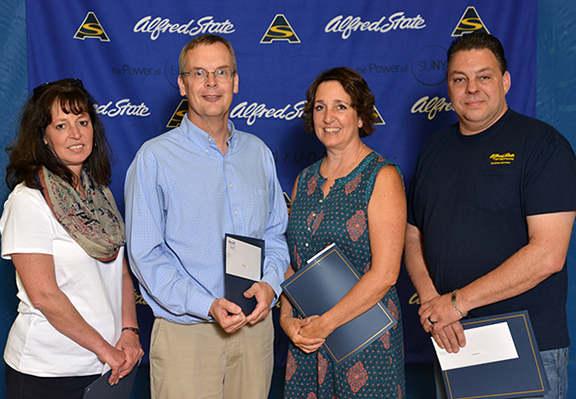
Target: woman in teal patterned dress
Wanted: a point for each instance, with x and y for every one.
(354, 198)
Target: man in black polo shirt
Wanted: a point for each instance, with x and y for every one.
(491, 209)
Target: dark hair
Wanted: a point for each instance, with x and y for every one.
(28, 152)
(354, 84)
(207, 40)
(479, 41)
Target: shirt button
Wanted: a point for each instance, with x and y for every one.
(207, 150)
(320, 201)
(313, 215)
(235, 212)
(230, 185)
(306, 244)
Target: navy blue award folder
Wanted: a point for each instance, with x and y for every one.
(236, 285)
(513, 378)
(101, 389)
(322, 283)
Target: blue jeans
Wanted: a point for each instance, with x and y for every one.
(556, 367)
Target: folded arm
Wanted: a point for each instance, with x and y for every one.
(387, 221)
(543, 255)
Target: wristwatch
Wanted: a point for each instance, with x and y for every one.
(133, 329)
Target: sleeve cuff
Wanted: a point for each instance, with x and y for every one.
(273, 281)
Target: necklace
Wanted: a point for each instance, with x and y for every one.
(344, 171)
(332, 177)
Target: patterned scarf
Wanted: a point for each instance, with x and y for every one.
(93, 222)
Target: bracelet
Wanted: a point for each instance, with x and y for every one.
(133, 329)
(454, 304)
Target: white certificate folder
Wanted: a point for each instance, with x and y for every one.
(500, 366)
(243, 262)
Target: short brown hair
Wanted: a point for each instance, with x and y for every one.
(354, 84)
(207, 40)
(479, 41)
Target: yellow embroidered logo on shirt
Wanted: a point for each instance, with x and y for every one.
(502, 159)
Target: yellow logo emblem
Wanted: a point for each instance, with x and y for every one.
(280, 29)
(91, 28)
(378, 120)
(502, 159)
(176, 119)
(469, 22)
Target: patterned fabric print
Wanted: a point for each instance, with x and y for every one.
(93, 222)
(322, 368)
(290, 366)
(312, 185)
(351, 185)
(357, 377)
(385, 339)
(393, 309)
(356, 226)
(367, 267)
(296, 258)
(315, 222)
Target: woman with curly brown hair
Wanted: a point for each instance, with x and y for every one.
(354, 198)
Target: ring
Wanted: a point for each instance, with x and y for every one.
(430, 320)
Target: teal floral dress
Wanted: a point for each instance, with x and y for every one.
(316, 222)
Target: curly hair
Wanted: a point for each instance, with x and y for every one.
(354, 84)
(28, 152)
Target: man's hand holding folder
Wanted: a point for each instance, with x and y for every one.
(245, 293)
(501, 360)
(227, 314)
(264, 295)
(231, 317)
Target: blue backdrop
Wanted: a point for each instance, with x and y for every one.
(127, 57)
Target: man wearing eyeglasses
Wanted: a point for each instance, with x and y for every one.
(185, 190)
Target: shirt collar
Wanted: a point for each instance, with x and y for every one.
(202, 138)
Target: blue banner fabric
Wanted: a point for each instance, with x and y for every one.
(127, 53)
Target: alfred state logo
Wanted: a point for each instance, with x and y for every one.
(379, 120)
(176, 119)
(469, 22)
(280, 29)
(91, 28)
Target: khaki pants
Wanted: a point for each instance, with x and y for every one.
(203, 361)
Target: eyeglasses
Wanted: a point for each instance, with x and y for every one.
(69, 81)
(220, 74)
